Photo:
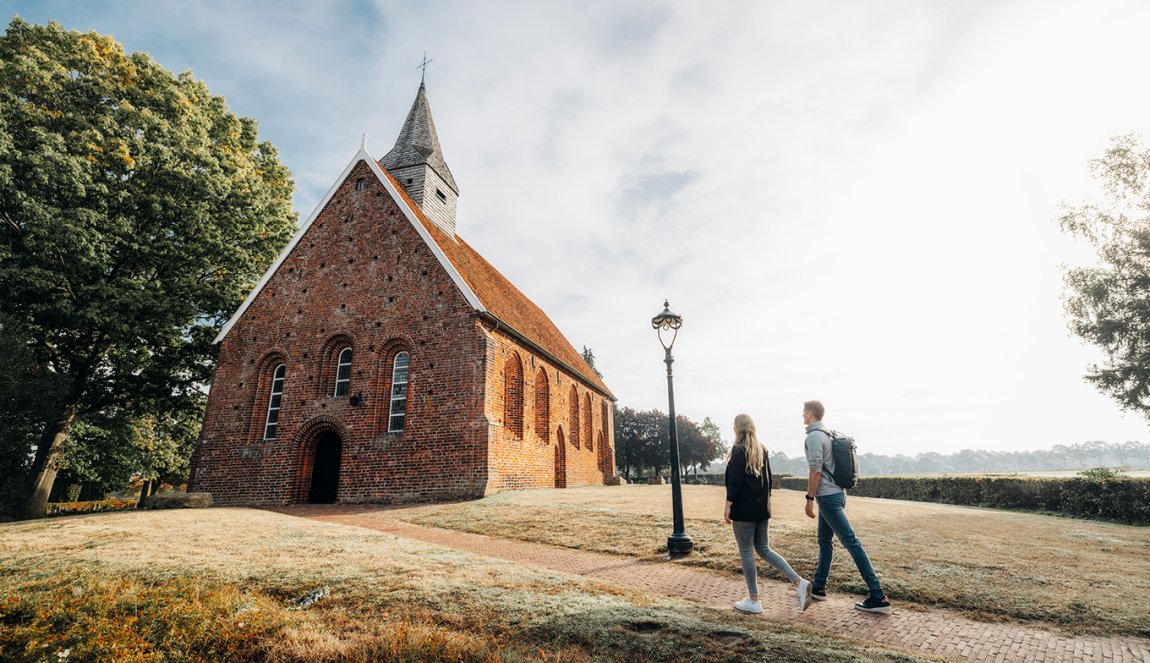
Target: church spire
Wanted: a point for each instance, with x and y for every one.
(417, 162)
(418, 142)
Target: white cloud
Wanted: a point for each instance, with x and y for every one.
(850, 201)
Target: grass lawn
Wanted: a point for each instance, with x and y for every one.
(1083, 576)
(227, 584)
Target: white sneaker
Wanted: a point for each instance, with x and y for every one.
(804, 591)
(747, 605)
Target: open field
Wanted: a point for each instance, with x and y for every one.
(1079, 576)
(220, 584)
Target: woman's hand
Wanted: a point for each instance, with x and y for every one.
(727, 513)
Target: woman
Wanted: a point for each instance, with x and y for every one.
(749, 511)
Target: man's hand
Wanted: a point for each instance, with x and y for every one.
(814, 478)
(727, 513)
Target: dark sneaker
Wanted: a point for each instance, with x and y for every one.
(871, 604)
(819, 594)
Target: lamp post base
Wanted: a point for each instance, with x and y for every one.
(679, 544)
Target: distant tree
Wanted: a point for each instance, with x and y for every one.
(1100, 473)
(110, 449)
(136, 212)
(711, 431)
(1107, 304)
(589, 357)
(640, 439)
(698, 444)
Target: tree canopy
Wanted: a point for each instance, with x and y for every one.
(136, 211)
(642, 438)
(1109, 304)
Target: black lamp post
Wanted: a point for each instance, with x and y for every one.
(678, 543)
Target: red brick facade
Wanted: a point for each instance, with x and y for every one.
(491, 403)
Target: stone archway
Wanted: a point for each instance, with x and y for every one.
(326, 460)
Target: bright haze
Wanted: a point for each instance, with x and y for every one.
(854, 202)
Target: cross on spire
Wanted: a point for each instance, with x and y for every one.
(423, 66)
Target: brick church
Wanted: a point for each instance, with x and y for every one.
(382, 359)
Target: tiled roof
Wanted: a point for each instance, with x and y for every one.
(503, 300)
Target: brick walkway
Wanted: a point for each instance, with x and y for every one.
(934, 632)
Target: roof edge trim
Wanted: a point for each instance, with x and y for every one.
(503, 326)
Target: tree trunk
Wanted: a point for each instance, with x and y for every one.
(144, 493)
(47, 463)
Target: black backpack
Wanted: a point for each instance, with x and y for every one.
(846, 474)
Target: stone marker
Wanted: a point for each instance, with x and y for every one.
(179, 501)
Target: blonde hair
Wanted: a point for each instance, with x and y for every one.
(745, 437)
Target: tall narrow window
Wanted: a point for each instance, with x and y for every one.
(343, 373)
(398, 393)
(513, 395)
(274, 402)
(573, 416)
(587, 431)
(542, 406)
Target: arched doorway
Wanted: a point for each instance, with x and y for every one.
(560, 460)
(325, 468)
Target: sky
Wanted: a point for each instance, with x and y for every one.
(851, 202)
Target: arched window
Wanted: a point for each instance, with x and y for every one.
(573, 415)
(395, 419)
(542, 405)
(343, 373)
(513, 395)
(587, 426)
(274, 402)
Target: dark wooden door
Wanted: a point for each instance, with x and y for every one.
(325, 469)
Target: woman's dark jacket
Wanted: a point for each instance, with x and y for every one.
(749, 495)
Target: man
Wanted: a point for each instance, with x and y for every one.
(832, 500)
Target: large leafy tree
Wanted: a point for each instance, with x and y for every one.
(135, 212)
(1109, 304)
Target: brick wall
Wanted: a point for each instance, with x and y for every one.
(531, 460)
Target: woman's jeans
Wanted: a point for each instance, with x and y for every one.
(752, 536)
(833, 522)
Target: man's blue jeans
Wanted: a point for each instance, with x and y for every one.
(833, 522)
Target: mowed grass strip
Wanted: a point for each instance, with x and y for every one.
(1083, 576)
(224, 584)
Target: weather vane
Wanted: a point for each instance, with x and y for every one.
(423, 66)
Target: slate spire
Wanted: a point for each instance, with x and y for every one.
(417, 162)
(418, 143)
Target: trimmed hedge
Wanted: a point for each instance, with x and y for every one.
(1123, 499)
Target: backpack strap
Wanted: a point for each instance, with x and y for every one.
(830, 438)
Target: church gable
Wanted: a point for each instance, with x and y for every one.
(360, 171)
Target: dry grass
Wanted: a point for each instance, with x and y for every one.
(182, 585)
(1083, 576)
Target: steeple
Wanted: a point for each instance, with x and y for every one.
(417, 162)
